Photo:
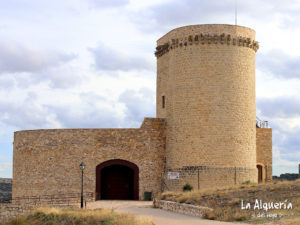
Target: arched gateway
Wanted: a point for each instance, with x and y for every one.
(117, 179)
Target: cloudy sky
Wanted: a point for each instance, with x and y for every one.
(90, 63)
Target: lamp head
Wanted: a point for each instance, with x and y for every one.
(82, 165)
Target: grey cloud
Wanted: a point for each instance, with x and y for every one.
(176, 12)
(139, 104)
(280, 107)
(60, 77)
(92, 117)
(286, 140)
(7, 82)
(291, 145)
(30, 114)
(17, 58)
(90, 111)
(167, 15)
(27, 115)
(64, 80)
(170, 14)
(96, 111)
(279, 64)
(108, 59)
(93, 111)
(90, 98)
(277, 111)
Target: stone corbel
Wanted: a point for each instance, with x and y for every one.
(196, 39)
(202, 38)
(216, 38)
(190, 39)
(234, 41)
(206, 38)
(222, 38)
(228, 38)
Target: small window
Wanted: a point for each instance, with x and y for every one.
(163, 102)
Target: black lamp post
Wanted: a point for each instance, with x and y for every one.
(81, 168)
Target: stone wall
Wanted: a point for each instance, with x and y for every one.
(5, 187)
(46, 162)
(209, 89)
(12, 211)
(201, 177)
(264, 151)
(9, 211)
(180, 208)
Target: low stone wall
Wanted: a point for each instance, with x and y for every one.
(12, 211)
(186, 209)
(11, 208)
(9, 211)
(201, 177)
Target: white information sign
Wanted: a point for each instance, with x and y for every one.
(173, 175)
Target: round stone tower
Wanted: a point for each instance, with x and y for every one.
(206, 92)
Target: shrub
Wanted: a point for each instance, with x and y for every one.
(187, 187)
(272, 189)
(208, 214)
(246, 182)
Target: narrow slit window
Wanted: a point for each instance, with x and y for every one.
(163, 102)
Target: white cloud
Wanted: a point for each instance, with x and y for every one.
(5, 166)
(18, 58)
(280, 64)
(102, 4)
(27, 115)
(281, 165)
(139, 104)
(279, 107)
(112, 60)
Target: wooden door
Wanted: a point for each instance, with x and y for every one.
(117, 182)
(259, 170)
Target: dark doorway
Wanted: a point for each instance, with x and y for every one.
(259, 170)
(117, 182)
(117, 179)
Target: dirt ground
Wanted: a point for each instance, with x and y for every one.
(158, 216)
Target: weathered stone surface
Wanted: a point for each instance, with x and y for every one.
(264, 151)
(186, 209)
(210, 111)
(9, 211)
(46, 162)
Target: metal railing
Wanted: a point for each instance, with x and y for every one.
(56, 199)
(262, 123)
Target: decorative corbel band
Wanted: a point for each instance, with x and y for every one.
(206, 39)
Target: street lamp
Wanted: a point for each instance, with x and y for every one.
(81, 168)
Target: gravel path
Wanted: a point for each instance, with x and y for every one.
(158, 216)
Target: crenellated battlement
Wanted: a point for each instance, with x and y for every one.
(223, 39)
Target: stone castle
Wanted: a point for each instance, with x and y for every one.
(205, 132)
